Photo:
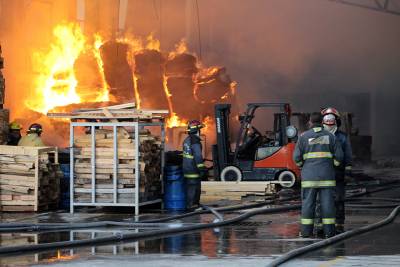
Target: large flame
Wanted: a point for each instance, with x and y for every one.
(56, 83)
(98, 42)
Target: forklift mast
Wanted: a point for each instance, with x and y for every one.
(222, 150)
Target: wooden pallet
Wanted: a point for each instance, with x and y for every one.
(213, 191)
(29, 181)
(124, 111)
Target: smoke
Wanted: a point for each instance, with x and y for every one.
(313, 54)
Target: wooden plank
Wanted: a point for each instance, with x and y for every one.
(105, 161)
(30, 184)
(105, 166)
(16, 202)
(89, 176)
(121, 106)
(18, 208)
(16, 177)
(120, 191)
(104, 157)
(6, 197)
(101, 171)
(14, 188)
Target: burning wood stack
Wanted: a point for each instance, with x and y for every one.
(29, 180)
(4, 113)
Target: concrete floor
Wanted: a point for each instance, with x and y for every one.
(254, 242)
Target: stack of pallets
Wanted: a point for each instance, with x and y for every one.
(29, 181)
(149, 166)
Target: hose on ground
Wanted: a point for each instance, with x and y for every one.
(139, 236)
(346, 235)
(20, 227)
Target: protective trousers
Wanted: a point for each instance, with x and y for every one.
(309, 200)
(339, 201)
(340, 195)
(193, 191)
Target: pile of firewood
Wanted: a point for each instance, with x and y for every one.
(149, 166)
(29, 181)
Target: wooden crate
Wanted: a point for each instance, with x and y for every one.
(149, 166)
(29, 181)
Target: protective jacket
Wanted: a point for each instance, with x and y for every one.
(193, 162)
(13, 138)
(317, 152)
(344, 142)
(31, 139)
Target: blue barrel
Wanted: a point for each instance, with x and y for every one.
(174, 188)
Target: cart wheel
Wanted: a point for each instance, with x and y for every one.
(231, 173)
(287, 179)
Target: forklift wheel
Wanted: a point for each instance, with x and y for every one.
(231, 174)
(287, 179)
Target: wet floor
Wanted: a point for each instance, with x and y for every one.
(254, 242)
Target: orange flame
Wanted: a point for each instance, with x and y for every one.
(98, 42)
(180, 48)
(174, 121)
(55, 84)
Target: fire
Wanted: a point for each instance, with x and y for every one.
(56, 82)
(98, 42)
(207, 122)
(180, 48)
(174, 121)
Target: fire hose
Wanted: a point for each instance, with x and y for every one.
(138, 236)
(330, 241)
(19, 227)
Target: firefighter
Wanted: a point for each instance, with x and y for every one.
(14, 134)
(331, 122)
(317, 152)
(193, 164)
(32, 137)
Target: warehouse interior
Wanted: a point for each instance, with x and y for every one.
(114, 84)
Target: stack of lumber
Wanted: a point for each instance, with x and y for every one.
(149, 166)
(213, 191)
(29, 181)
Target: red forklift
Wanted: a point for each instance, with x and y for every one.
(256, 157)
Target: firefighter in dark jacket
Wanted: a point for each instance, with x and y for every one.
(14, 135)
(193, 164)
(331, 122)
(317, 152)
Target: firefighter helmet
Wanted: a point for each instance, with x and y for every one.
(194, 126)
(329, 119)
(15, 126)
(330, 110)
(35, 128)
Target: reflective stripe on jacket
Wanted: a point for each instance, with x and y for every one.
(193, 163)
(317, 151)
